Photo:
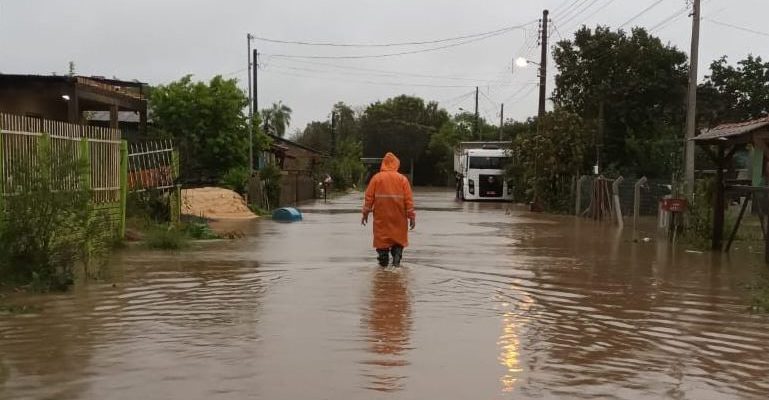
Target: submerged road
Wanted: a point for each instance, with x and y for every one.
(490, 304)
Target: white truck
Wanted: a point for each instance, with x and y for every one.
(480, 171)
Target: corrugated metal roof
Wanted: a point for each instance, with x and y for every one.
(731, 131)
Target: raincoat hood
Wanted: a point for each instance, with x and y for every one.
(390, 162)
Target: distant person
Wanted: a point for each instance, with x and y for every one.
(389, 197)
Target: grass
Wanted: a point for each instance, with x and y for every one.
(166, 238)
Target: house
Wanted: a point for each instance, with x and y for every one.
(74, 99)
(300, 169)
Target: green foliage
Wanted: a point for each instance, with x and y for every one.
(166, 237)
(700, 215)
(198, 229)
(236, 179)
(207, 123)
(151, 205)
(271, 176)
(48, 228)
(641, 84)
(277, 118)
(345, 167)
(403, 125)
(734, 94)
(544, 163)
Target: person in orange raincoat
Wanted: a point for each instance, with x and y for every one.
(389, 197)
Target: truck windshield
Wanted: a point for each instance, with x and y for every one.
(487, 162)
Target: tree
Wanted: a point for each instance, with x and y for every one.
(403, 125)
(734, 94)
(206, 122)
(277, 118)
(544, 162)
(638, 81)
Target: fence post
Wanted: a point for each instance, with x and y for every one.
(123, 187)
(617, 206)
(85, 157)
(2, 174)
(176, 196)
(578, 201)
(637, 205)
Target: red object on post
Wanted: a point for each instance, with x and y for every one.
(675, 205)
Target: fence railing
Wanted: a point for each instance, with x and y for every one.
(69, 143)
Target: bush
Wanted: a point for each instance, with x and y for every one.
(166, 238)
(271, 176)
(47, 227)
(236, 179)
(153, 205)
(198, 229)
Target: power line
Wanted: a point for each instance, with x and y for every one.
(389, 72)
(753, 31)
(644, 11)
(301, 69)
(450, 39)
(488, 36)
(571, 8)
(578, 13)
(369, 82)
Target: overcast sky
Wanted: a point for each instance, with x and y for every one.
(157, 41)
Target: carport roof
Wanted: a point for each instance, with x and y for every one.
(732, 132)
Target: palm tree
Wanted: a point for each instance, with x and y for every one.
(277, 118)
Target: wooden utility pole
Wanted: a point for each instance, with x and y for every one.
(333, 133)
(475, 127)
(501, 119)
(250, 110)
(543, 68)
(256, 82)
(691, 104)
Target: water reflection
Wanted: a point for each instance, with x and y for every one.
(389, 326)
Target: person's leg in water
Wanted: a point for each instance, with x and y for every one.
(383, 256)
(397, 252)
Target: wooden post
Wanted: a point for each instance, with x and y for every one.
(617, 208)
(2, 175)
(637, 205)
(114, 118)
(176, 196)
(718, 202)
(737, 224)
(123, 187)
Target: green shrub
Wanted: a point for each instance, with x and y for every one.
(271, 176)
(48, 227)
(199, 229)
(166, 238)
(236, 179)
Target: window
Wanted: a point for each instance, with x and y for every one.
(488, 162)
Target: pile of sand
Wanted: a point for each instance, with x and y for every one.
(214, 203)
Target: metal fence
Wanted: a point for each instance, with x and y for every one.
(21, 139)
(151, 165)
(650, 192)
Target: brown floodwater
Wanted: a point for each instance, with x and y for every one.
(492, 304)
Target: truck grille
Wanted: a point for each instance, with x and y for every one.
(490, 186)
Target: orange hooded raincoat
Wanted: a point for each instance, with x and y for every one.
(389, 197)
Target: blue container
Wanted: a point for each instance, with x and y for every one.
(287, 214)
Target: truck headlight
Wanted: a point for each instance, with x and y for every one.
(471, 186)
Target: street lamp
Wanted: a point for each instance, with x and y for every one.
(522, 62)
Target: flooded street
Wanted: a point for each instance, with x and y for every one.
(491, 304)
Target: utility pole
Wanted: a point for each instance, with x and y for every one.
(250, 110)
(691, 104)
(475, 127)
(543, 69)
(333, 133)
(599, 139)
(256, 82)
(501, 120)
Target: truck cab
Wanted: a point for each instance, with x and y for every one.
(481, 174)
